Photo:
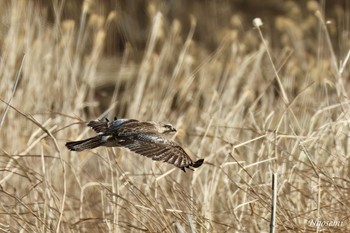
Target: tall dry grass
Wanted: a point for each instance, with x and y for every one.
(247, 115)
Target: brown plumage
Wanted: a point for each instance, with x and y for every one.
(144, 138)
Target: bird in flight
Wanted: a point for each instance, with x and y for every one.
(146, 138)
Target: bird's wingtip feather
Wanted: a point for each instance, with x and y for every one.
(198, 163)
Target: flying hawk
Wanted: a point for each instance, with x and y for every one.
(145, 138)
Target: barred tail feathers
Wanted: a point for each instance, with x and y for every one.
(86, 144)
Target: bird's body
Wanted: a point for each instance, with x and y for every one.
(145, 138)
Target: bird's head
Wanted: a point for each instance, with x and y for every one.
(167, 128)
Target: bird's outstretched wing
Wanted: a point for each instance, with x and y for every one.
(160, 148)
(98, 126)
(107, 127)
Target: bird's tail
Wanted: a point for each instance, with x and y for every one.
(89, 143)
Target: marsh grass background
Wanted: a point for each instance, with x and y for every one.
(206, 70)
